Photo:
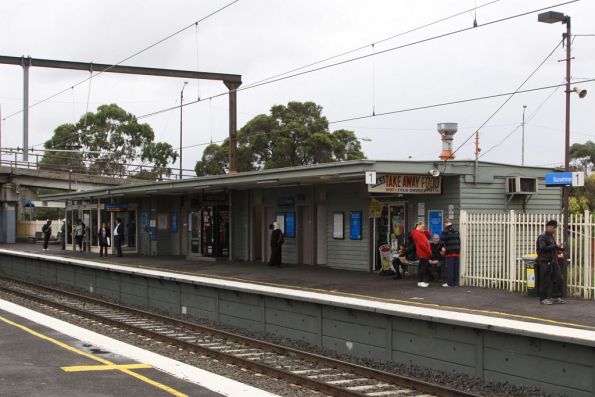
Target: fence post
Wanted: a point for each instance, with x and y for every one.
(464, 235)
(512, 276)
(587, 276)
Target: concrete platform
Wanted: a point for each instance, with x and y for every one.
(35, 365)
(484, 301)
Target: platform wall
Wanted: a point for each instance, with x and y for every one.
(565, 368)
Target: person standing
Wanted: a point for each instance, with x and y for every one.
(47, 232)
(79, 234)
(452, 253)
(550, 274)
(104, 239)
(421, 238)
(276, 244)
(118, 233)
(63, 232)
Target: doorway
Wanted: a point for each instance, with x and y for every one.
(321, 234)
(257, 234)
(390, 228)
(306, 235)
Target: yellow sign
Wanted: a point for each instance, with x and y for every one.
(375, 208)
(406, 184)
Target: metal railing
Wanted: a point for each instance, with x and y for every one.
(493, 246)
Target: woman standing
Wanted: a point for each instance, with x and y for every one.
(276, 243)
(104, 239)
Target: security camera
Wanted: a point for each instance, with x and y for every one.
(434, 172)
(580, 91)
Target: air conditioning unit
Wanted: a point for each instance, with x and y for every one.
(521, 185)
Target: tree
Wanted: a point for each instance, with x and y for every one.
(582, 155)
(292, 135)
(108, 142)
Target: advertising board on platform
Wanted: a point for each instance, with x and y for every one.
(406, 184)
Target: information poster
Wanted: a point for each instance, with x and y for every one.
(355, 225)
(435, 222)
(339, 225)
(280, 218)
(290, 224)
(174, 222)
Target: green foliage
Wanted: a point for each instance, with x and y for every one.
(582, 155)
(292, 135)
(108, 141)
(578, 205)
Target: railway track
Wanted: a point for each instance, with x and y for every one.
(325, 375)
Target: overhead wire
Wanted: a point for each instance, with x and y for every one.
(511, 95)
(127, 58)
(364, 56)
(531, 117)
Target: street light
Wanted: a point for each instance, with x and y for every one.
(181, 110)
(554, 17)
(523, 138)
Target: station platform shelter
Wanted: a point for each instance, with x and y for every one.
(330, 214)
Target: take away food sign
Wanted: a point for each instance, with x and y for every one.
(406, 184)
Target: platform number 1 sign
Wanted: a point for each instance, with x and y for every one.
(370, 177)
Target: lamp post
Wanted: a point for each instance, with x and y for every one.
(181, 120)
(554, 17)
(523, 138)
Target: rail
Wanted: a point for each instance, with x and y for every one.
(326, 375)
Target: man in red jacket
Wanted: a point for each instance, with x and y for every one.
(421, 237)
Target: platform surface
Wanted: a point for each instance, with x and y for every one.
(38, 361)
(483, 301)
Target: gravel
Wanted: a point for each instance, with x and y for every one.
(454, 380)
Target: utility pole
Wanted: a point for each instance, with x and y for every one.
(523, 138)
(181, 120)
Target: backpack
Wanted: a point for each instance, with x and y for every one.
(410, 251)
(44, 229)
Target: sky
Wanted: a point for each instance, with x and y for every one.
(262, 38)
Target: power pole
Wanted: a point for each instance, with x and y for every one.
(523, 139)
(26, 62)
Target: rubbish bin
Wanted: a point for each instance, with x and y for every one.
(530, 266)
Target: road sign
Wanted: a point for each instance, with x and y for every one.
(565, 179)
(371, 177)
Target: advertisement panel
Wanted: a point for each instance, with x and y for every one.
(406, 184)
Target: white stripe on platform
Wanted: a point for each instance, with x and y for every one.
(534, 329)
(208, 380)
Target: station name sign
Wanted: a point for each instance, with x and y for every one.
(406, 184)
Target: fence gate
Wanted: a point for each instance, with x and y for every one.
(493, 244)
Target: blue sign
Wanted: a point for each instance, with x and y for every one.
(144, 220)
(565, 179)
(285, 202)
(290, 224)
(114, 207)
(355, 225)
(174, 222)
(558, 179)
(153, 233)
(436, 222)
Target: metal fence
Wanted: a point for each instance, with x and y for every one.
(493, 245)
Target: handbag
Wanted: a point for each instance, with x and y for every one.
(109, 242)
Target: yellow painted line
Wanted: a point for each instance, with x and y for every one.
(379, 299)
(93, 357)
(87, 368)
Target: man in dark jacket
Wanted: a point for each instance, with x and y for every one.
(550, 274)
(452, 251)
(47, 232)
(421, 237)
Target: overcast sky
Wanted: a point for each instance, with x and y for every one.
(261, 38)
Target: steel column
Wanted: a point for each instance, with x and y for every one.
(233, 121)
(26, 62)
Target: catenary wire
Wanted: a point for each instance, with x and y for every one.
(416, 42)
(127, 58)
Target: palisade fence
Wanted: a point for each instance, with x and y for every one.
(493, 244)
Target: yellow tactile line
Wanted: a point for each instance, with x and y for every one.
(95, 358)
(375, 298)
(88, 368)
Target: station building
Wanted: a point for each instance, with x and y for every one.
(330, 214)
